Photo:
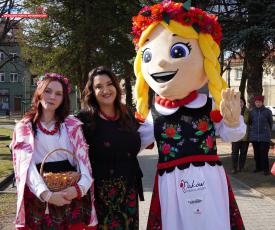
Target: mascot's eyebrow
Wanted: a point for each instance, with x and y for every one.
(174, 35)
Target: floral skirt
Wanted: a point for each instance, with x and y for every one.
(59, 218)
(116, 205)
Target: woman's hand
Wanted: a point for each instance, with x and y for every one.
(59, 199)
(70, 193)
(230, 107)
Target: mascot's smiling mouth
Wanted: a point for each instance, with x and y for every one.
(163, 76)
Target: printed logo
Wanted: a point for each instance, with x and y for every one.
(192, 186)
(197, 211)
(195, 201)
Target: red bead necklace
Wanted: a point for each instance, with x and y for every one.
(107, 117)
(52, 132)
(176, 103)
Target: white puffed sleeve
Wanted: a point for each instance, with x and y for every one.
(146, 131)
(229, 134)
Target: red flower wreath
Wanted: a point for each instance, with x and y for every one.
(168, 10)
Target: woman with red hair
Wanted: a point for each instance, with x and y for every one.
(44, 128)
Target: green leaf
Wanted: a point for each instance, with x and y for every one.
(199, 133)
(172, 154)
(164, 135)
(196, 27)
(187, 5)
(147, 13)
(209, 127)
(177, 137)
(166, 18)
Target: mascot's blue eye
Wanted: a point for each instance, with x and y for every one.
(180, 50)
(146, 55)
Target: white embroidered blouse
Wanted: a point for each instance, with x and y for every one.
(43, 144)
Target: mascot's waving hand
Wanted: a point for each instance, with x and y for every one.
(177, 53)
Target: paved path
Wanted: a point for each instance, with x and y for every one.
(258, 211)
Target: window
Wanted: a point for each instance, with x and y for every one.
(2, 77)
(13, 77)
(2, 56)
(13, 56)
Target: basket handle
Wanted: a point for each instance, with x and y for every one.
(55, 150)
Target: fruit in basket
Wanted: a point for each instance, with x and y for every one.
(59, 181)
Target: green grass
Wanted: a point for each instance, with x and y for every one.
(7, 203)
(7, 211)
(6, 167)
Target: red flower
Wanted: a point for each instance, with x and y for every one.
(132, 196)
(132, 204)
(215, 115)
(207, 22)
(114, 224)
(170, 132)
(209, 142)
(166, 149)
(203, 126)
(112, 192)
(76, 213)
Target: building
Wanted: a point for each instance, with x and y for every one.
(233, 78)
(16, 85)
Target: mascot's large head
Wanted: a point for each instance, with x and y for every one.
(177, 52)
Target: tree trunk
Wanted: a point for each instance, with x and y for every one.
(254, 68)
(245, 75)
(128, 87)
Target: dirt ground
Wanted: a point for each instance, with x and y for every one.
(261, 183)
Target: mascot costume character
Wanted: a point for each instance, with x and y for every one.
(177, 53)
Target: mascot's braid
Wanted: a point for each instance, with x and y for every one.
(211, 52)
(141, 88)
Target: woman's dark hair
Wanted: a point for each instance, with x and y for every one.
(90, 104)
(35, 112)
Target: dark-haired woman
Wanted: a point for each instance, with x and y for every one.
(43, 129)
(240, 148)
(114, 142)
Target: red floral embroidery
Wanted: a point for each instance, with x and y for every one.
(115, 224)
(112, 192)
(132, 196)
(209, 142)
(132, 204)
(166, 148)
(170, 132)
(203, 126)
(76, 213)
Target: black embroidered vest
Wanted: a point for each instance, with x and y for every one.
(188, 133)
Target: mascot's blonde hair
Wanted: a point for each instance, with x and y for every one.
(210, 51)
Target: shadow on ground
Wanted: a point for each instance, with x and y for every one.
(258, 181)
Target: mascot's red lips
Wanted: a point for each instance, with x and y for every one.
(163, 76)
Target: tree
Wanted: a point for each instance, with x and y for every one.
(79, 35)
(248, 30)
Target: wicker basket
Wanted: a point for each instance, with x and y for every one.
(59, 181)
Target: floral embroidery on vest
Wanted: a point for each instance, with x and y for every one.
(202, 125)
(170, 131)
